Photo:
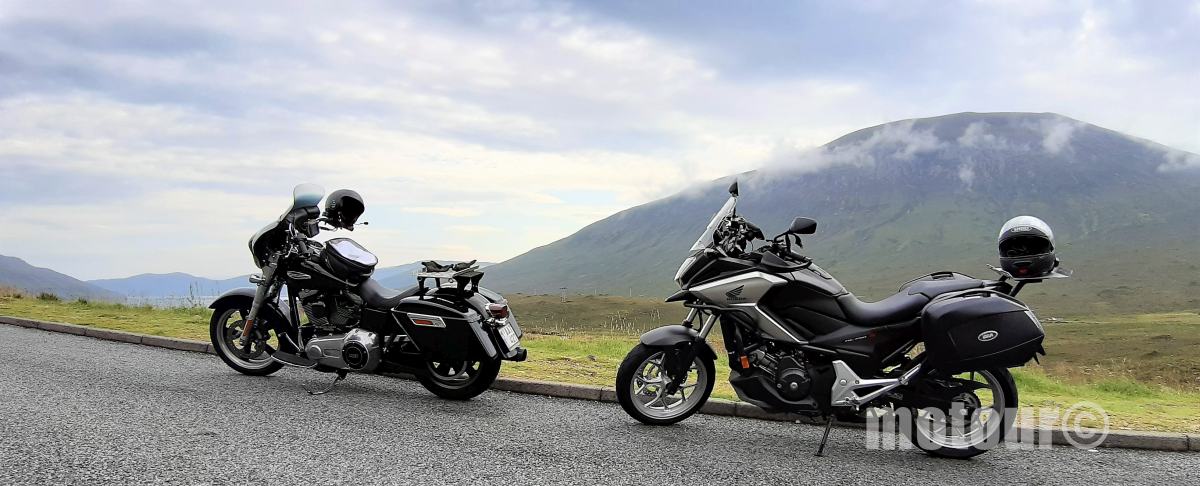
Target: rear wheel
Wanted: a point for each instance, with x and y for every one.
(225, 330)
(459, 380)
(983, 407)
(642, 385)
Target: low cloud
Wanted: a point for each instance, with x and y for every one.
(966, 174)
(1176, 160)
(978, 135)
(1058, 134)
(892, 141)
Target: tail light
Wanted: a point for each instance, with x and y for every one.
(498, 311)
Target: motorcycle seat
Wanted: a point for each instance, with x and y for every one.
(905, 305)
(375, 295)
(934, 288)
(900, 307)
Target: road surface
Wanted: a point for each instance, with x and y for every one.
(77, 410)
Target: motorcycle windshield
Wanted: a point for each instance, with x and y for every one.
(706, 238)
(305, 195)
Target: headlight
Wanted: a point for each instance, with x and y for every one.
(687, 264)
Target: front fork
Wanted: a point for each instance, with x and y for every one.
(261, 295)
(686, 354)
(710, 319)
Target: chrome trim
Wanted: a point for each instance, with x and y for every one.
(691, 315)
(741, 276)
(708, 325)
(847, 381)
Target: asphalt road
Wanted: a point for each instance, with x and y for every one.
(76, 410)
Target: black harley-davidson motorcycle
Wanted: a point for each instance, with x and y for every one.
(799, 342)
(448, 331)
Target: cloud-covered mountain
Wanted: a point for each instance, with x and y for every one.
(17, 273)
(905, 198)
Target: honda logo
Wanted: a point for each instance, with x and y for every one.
(736, 294)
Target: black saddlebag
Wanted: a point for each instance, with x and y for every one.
(348, 260)
(979, 329)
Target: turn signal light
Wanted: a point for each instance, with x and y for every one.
(498, 311)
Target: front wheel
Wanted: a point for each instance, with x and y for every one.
(642, 384)
(225, 330)
(459, 380)
(982, 407)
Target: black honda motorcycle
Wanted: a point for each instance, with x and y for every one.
(799, 342)
(451, 334)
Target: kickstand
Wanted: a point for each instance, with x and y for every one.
(341, 375)
(825, 437)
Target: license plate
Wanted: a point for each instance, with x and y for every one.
(509, 337)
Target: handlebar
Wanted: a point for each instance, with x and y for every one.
(737, 233)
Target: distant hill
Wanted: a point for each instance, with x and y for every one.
(17, 273)
(405, 276)
(176, 284)
(906, 198)
(182, 284)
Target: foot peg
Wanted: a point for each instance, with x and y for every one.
(341, 375)
(292, 359)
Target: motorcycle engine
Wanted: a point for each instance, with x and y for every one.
(357, 350)
(788, 373)
(331, 313)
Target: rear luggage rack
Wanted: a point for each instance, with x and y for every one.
(464, 275)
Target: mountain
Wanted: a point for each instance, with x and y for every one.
(176, 284)
(184, 285)
(405, 276)
(906, 198)
(16, 273)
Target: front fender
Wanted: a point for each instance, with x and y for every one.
(244, 296)
(674, 335)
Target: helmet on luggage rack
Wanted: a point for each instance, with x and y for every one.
(1026, 247)
(343, 207)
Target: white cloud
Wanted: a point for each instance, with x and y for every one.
(893, 141)
(530, 117)
(966, 174)
(978, 135)
(1177, 160)
(1058, 135)
(441, 211)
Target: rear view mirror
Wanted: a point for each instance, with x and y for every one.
(733, 189)
(802, 226)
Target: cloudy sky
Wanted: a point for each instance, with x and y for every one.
(157, 136)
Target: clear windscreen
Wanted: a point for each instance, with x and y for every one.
(306, 194)
(706, 238)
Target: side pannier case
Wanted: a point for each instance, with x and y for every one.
(348, 260)
(979, 329)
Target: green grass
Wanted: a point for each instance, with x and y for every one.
(1138, 368)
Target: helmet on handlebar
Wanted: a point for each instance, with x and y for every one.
(343, 207)
(1026, 247)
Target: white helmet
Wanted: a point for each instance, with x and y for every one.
(1026, 247)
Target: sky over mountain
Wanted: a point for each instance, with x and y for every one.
(157, 136)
